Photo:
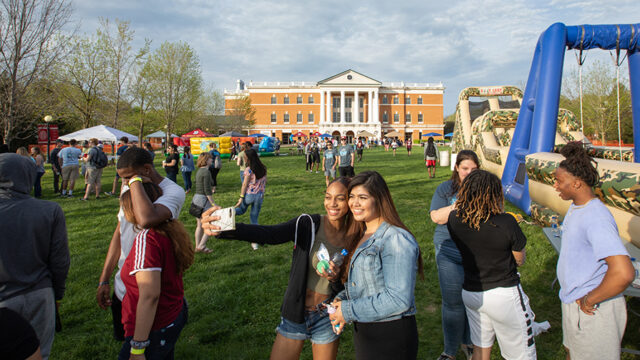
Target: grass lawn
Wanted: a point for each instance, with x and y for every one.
(235, 293)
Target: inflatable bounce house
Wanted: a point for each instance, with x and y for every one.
(515, 139)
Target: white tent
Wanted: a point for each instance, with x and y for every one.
(159, 134)
(100, 132)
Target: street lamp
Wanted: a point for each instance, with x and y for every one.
(48, 119)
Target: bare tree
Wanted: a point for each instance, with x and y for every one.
(241, 114)
(120, 59)
(30, 43)
(174, 71)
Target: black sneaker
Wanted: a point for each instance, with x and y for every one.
(84, 199)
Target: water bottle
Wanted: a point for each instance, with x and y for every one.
(636, 280)
(554, 226)
(338, 257)
(331, 310)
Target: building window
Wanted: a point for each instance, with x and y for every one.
(336, 116)
(286, 118)
(420, 119)
(347, 117)
(395, 99)
(310, 99)
(299, 99)
(396, 118)
(361, 102)
(407, 118)
(336, 102)
(420, 101)
(384, 99)
(385, 117)
(310, 118)
(273, 118)
(407, 100)
(347, 103)
(286, 99)
(274, 100)
(361, 116)
(299, 118)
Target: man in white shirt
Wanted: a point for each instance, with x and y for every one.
(136, 162)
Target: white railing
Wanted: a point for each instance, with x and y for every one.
(411, 85)
(282, 84)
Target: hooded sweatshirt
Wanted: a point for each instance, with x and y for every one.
(34, 252)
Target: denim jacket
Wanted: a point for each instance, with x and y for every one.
(382, 277)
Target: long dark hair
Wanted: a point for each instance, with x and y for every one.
(375, 185)
(346, 226)
(173, 229)
(480, 198)
(256, 166)
(579, 163)
(455, 177)
(187, 152)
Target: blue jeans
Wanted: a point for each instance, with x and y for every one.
(186, 177)
(455, 325)
(37, 186)
(255, 200)
(316, 327)
(163, 341)
(172, 176)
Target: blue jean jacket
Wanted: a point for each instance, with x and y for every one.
(382, 277)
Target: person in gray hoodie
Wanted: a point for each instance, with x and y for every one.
(34, 251)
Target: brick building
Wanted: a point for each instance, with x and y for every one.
(343, 105)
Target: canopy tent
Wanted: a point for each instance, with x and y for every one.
(316, 134)
(392, 134)
(159, 135)
(100, 132)
(233, 134)
(324, 136)
(257, 135)
(198, 133)
(365, 133)
(299, 134)
(448, 134)
(431, 134)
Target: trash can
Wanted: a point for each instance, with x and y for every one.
(444, 158)
(453, 160)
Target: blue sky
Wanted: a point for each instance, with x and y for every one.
(459, 42)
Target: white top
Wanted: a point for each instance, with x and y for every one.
(172, 198)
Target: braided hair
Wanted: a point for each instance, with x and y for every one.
(579, 164)
(480, 197)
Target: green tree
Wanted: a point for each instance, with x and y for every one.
(174, 71)
(241, 114)
(141, 94)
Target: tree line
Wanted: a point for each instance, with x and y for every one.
(83, 80)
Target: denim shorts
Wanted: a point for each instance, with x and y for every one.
(316, 327)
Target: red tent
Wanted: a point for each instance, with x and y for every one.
(184, 139)
(299, 134)
(316, 134)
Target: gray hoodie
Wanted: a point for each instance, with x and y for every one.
(34, 252)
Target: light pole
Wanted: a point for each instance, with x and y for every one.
(48, 119)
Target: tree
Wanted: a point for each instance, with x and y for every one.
(119, 59)
(31, 41)
(174, 71)
(241, 114)
(141, 94)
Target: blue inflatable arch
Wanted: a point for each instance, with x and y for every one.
(536, 126)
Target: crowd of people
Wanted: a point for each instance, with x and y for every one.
(370, 285)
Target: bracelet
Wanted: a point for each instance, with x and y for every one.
(139, 345)
(584, 301)
(137, 351)
(241, 196)
(101, 283)
(134, 179)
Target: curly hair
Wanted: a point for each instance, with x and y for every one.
(578, 162)
(480, 197)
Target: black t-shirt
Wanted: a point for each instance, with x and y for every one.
(170, 158)
(486, 253)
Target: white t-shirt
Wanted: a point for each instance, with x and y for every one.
(173, 197)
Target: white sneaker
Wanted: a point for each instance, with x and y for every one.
(254, 246)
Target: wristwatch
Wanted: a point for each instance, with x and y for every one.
(139, 344)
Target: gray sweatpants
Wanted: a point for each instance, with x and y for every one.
(39, 308)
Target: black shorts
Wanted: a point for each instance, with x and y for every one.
(116, 312)
(395, 339)
(316, 157)
(346, 171)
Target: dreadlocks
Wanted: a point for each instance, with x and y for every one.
(479, 198)
(579, 163)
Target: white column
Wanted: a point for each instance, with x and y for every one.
(356, 105)
(342, 106)
(369, 108)
(353, 109)
(329, 108)
(322, 120)
(376, 108)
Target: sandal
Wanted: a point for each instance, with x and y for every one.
(206, 251)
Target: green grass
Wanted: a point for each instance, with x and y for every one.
(235, 293)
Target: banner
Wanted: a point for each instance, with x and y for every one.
(42, 133)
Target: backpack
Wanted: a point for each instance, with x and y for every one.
(101, 160)
(431, 150)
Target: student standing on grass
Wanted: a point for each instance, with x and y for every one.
(69, 157)
(36, 154)
(455, 325)
(216, 164)
(170, 165)
(315, 154)
(135, 163)
(154, 309)
(492, 246)
(593, 267)
(329, 163)
(430, 157)
(359, 149)
(346, 158)
(381, 277)
(55, 165)
(203, 198)
(409, 146)
(147, 146)
(124, 145)
(94, 175)
(242, 160)
(253, 186)
(303, 314)
(34, 250)
(187, 167)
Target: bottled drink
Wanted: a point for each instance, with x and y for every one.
(636, 280)
(554, 225)
(338, 257)
(331, 310)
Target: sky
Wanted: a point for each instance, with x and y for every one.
(460, 43)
